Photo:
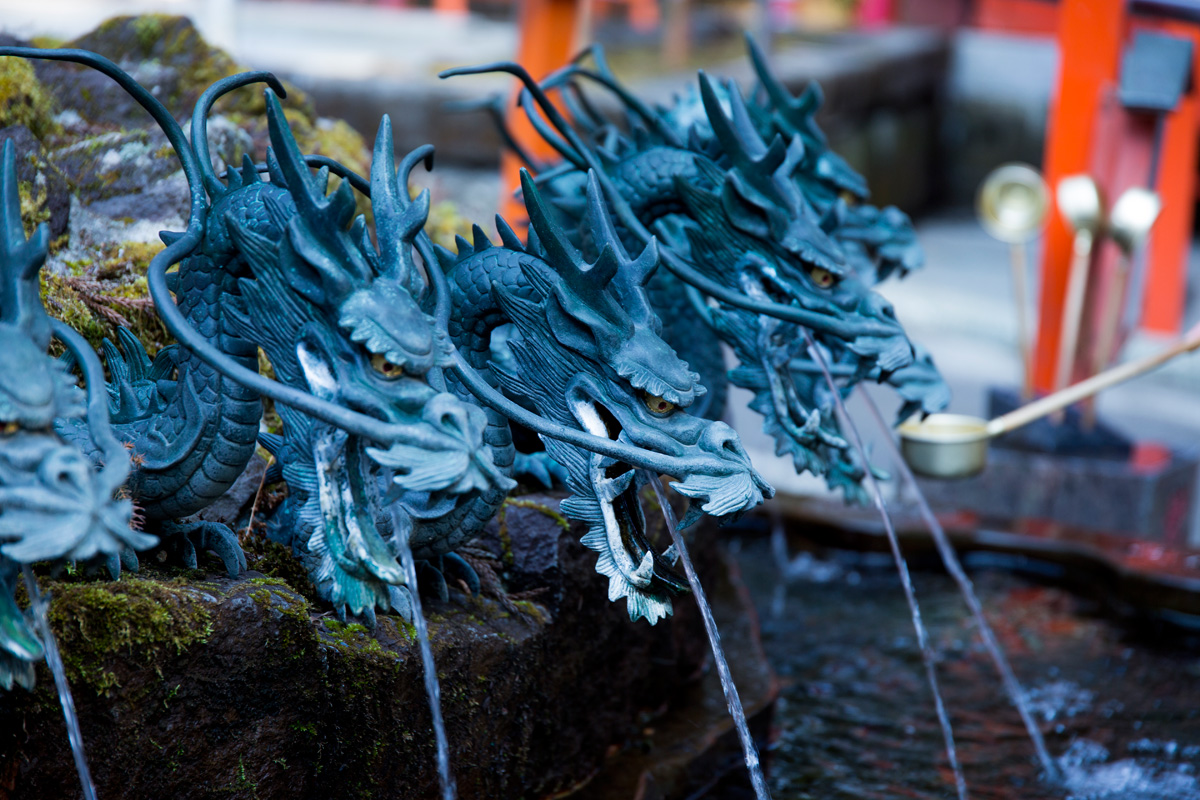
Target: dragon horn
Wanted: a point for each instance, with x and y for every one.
(397, 219)
(326, 247)
(560, 253)
(21, 258)
(780, 97)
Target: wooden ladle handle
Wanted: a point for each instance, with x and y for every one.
(1073, 394)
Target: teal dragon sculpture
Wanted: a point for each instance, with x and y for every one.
(758, 239)
(343, 319)
(377, 454)
(191, 416)
(54, 504)
(572, 336)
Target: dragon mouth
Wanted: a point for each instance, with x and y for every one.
(614, 482)
(347, 535)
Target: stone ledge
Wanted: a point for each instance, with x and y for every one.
(248, 690)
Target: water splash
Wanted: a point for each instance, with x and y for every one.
(39, 603)
(1089, 775)
(927, 654)
(432, 689)
(1012, 686)
(732, 700)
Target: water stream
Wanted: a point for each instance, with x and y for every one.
(927, 654)
(1118, 703)
(38, 603)
(734, 702)
(950, 559)
(432, 689)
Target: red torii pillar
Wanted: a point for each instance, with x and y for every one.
(1090, 132)
(548, 29)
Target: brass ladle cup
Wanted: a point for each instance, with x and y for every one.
(1011, 206)
(955, 445)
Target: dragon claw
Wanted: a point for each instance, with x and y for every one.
(203, 535)
(459, 567)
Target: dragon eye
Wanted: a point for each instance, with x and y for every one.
(848, 197)
(11, 428)
(384, 367)
(822, 277)
(657, 405)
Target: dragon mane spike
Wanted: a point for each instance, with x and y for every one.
(274, 171)
(118, 368)
(831, 220)
(810, 100)
(642, 268)
(743, 125)
(290, 160)
(233, 179)
(445, 258)
(561, 254)
(606, 266)
(249, 171)
(777, 154)
(462, 245)
(508, 236)
(170, 237)
(321, 181)
(721, 126)
(134, 353)
(481, 241)
(603, 230)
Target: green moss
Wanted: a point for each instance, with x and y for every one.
(174, 42)
(277, 562)
(542, 507)
(142, 621)
(23, 99)
(532, 610)
(106, 291)
(354, 639)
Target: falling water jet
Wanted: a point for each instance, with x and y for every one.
(732, 701)
(38, 603)
(445, 776)
(954, 567)
(927, 654)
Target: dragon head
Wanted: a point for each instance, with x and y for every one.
(53, 502)
(879, 242)
(583, 349)
(342, 319)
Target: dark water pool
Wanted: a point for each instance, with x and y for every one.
(1119, 702)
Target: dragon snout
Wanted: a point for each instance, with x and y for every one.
(450, 415)
(721, 440)
(877, 306)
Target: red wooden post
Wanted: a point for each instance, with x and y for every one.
(547, 42)
(1090, 36)
(1166, 277)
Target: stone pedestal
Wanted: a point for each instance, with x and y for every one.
(191, 685)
